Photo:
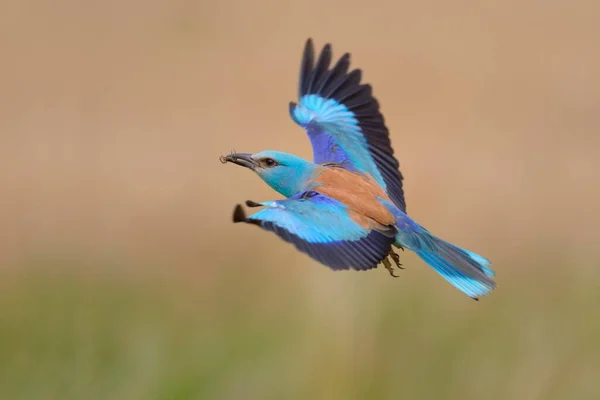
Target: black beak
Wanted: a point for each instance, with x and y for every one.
(243, 159)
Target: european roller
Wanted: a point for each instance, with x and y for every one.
(346, 208)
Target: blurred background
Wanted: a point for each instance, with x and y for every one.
(122, 276)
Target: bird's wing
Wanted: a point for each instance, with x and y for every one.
(343, 121)
(325, 229)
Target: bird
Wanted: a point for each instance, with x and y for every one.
(346, 208)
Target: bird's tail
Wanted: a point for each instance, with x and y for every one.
(467, 271)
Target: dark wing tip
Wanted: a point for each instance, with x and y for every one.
(344, 86)
(291, 109)
(251, 203)
(238, 214)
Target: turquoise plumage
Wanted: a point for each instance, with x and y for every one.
(320, 226)
(346, 209)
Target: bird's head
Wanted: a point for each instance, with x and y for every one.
(286, 173)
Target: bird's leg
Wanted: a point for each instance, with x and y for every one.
(388, 265)
(396, 258)
(398, 246)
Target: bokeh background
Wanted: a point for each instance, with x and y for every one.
(122, 276)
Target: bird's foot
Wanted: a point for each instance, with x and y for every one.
(394, 256)
(388, 265)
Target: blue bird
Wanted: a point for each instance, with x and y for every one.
(346, 209)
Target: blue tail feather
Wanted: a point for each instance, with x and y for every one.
(465, 270)
(482, 261)
(470, 286)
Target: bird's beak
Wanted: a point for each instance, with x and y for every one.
(243, 159)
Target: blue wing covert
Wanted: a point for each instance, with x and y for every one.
(322, 228)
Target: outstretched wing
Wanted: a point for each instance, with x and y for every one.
(343, 121)
(325, 229)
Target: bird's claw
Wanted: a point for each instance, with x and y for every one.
(388, 265)
(398, 246)
(396, 258)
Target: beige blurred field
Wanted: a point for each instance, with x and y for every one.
(124, 278)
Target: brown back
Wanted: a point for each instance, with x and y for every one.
(357, 191)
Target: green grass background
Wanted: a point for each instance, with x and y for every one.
(77, 336)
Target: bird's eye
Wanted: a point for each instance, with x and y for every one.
(269, 162)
